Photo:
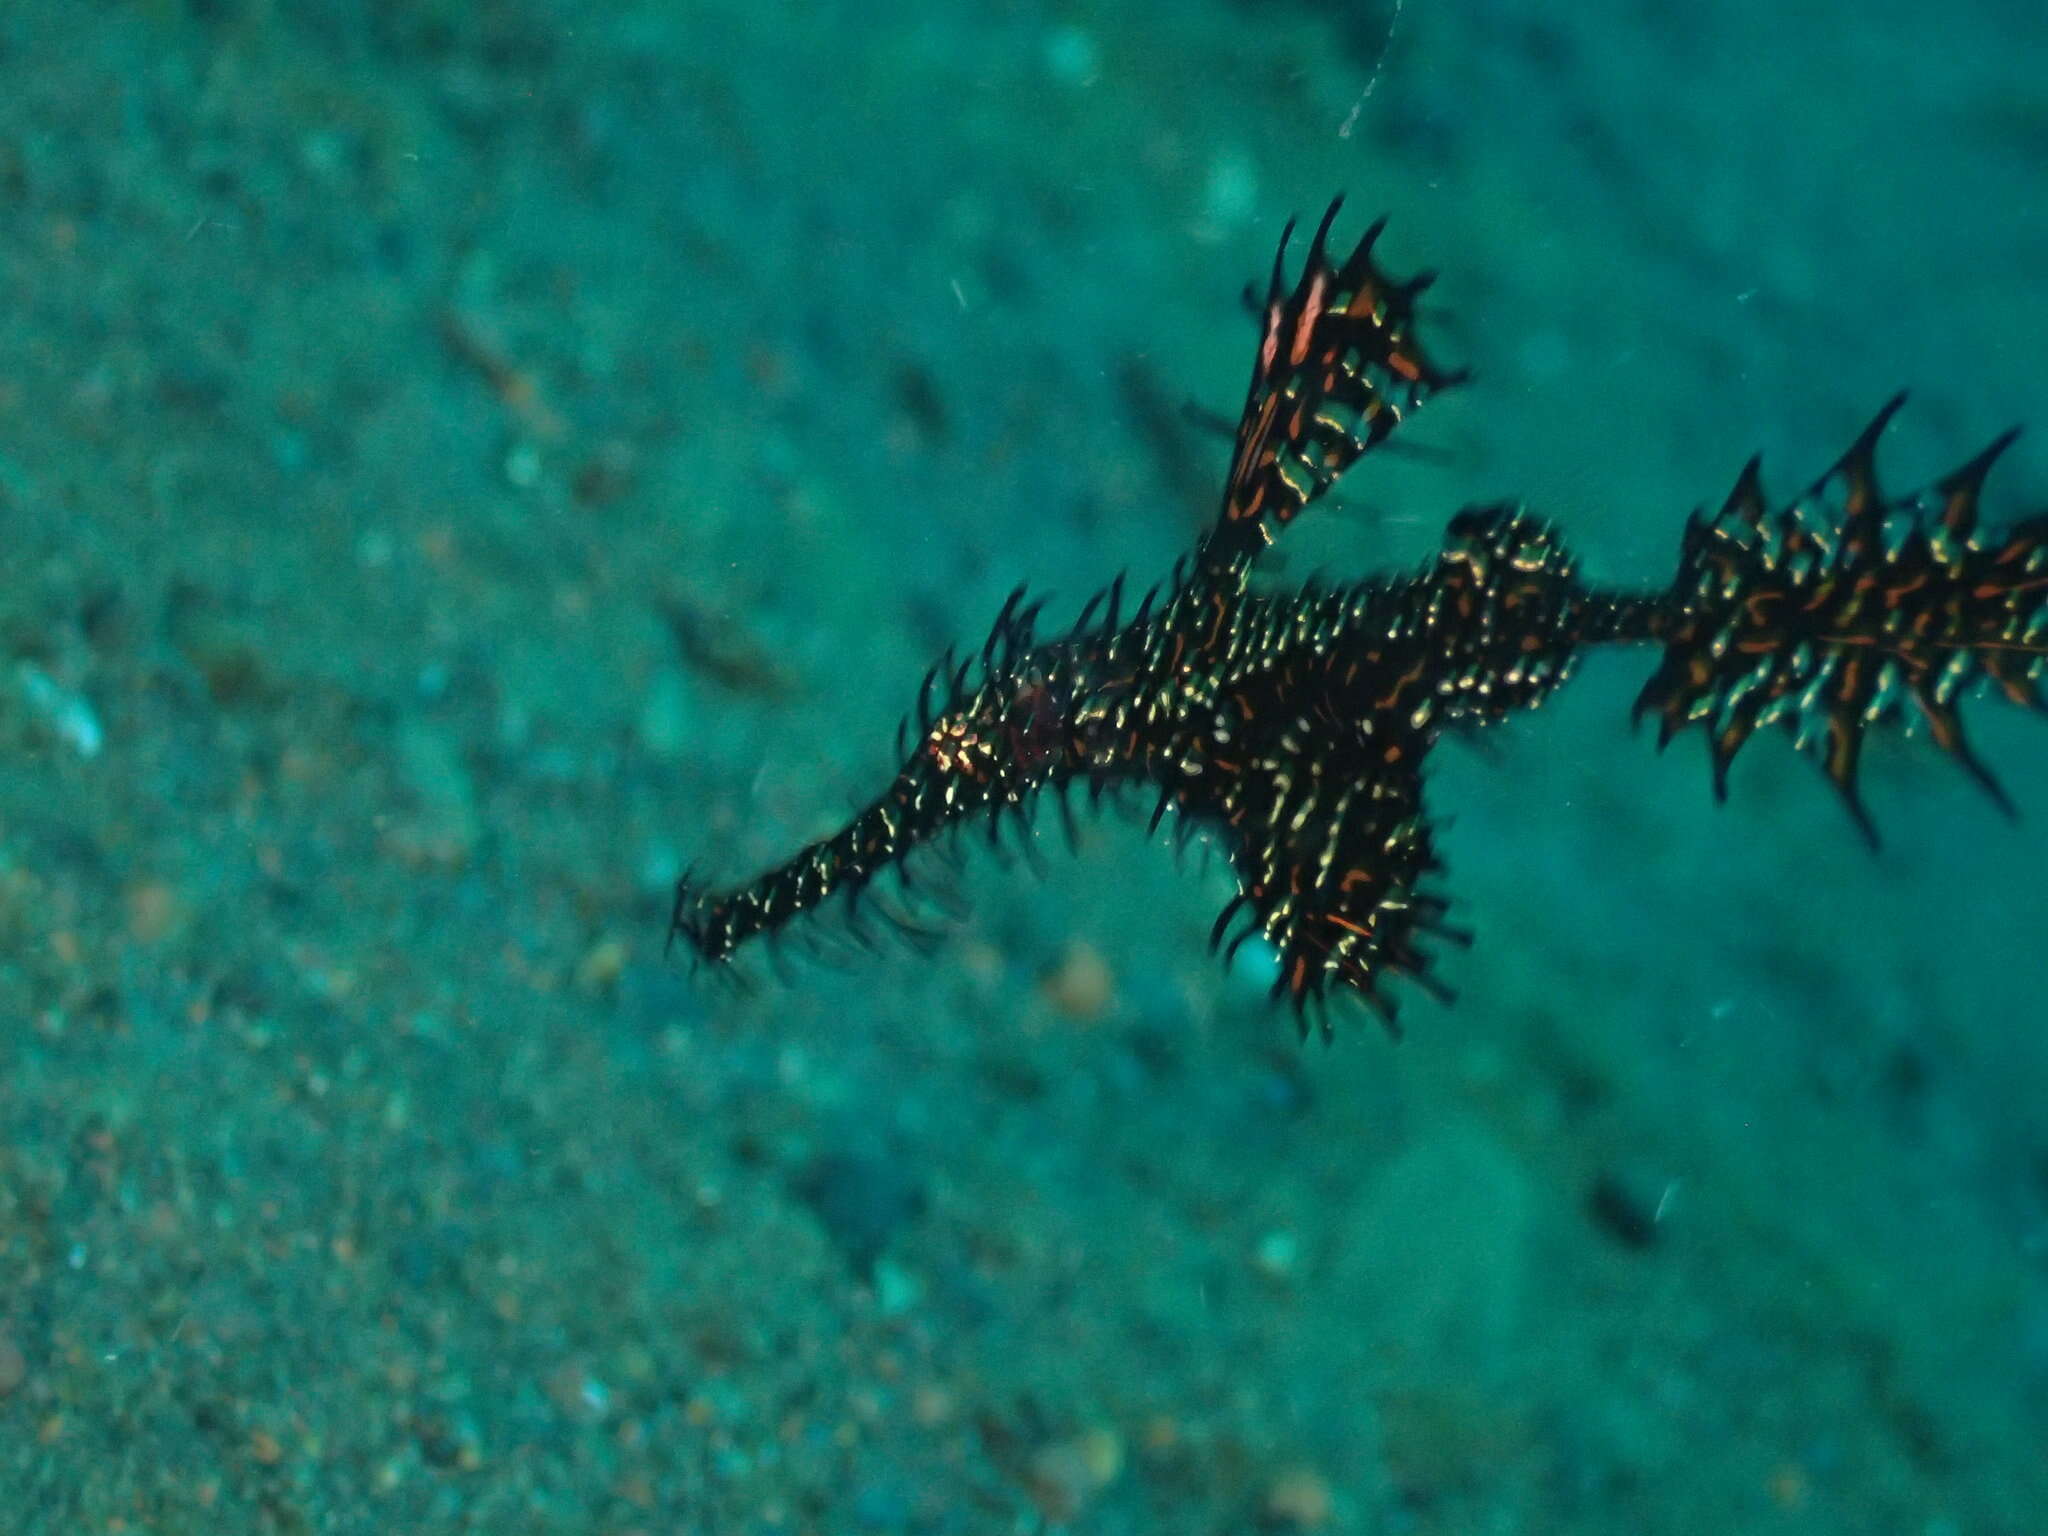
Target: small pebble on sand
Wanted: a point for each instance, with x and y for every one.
(1298, 1500)
(1082, 986)
(1066, 1474)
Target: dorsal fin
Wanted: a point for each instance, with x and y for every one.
(1337, 368)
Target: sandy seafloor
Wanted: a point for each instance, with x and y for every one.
(461, 461)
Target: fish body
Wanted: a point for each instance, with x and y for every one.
(1294, 727)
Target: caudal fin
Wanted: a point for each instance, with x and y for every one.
(1847, 608)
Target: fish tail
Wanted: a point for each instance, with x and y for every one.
(1849, 608)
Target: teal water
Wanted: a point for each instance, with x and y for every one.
(461, 462)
